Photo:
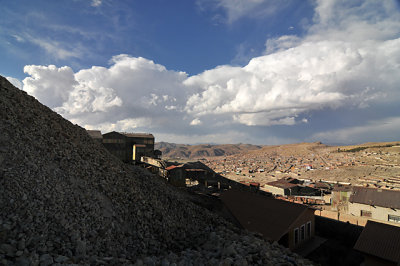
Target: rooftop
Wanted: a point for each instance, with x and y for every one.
(137, 135)
(377, 197)
(380, 240)
(342, 188)
(96, 134)
(281, 183)
(266, 215)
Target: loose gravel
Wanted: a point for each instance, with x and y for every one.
(65, 200)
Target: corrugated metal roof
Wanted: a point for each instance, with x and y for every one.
(268, 216)
(380, 240)
(378, 197)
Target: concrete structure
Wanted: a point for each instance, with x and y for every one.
(290, 187)
(378, 204)
(380, 244)
(154, 162)
(129, 146)
(292, 225)
(281, 187)
(340, 198)
(176, 175)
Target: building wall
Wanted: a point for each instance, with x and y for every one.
(307, 216)
(116, 144)
(149, 142)
(340, 200)
(177, 177)
(377, 212)
(275, 190)
(121, 146)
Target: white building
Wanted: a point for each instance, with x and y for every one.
(378, 204)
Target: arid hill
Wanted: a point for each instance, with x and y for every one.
(297, 149)
(172, 150)
(370, 164)
(65, 200)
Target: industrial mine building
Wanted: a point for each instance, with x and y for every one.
(128, 146)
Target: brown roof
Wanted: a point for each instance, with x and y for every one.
(137, 135)
(322, 185)
(96, 134)
(378, 197)
(268, 216)
(342, 188)
(381, 240)
(281, 184)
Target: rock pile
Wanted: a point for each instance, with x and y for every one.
(65, 200)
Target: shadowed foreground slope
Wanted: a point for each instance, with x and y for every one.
(65, 199)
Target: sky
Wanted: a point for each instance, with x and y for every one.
(212, 71)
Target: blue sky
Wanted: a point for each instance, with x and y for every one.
(217, 71)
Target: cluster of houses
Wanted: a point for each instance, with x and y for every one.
(371, 203)
(262, 210)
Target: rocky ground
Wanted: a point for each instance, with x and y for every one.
(65, 200)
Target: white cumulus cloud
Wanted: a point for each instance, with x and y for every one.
(349, 59)
(51, 85)
(129, 92)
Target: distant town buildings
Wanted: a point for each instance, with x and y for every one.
(291, 187)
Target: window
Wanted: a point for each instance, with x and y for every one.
(366, 213)
(296, 236)
(308, 229)
(393, 218)
(302, 232)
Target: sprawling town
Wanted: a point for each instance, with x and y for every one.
(314, 199)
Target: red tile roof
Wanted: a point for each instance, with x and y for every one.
(171, 167)
(380, 240)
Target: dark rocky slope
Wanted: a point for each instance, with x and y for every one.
(64, 199)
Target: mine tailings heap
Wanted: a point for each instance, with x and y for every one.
(65, 199)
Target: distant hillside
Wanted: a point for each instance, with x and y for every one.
(368, 145)
(172, 150)
(298, 149)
